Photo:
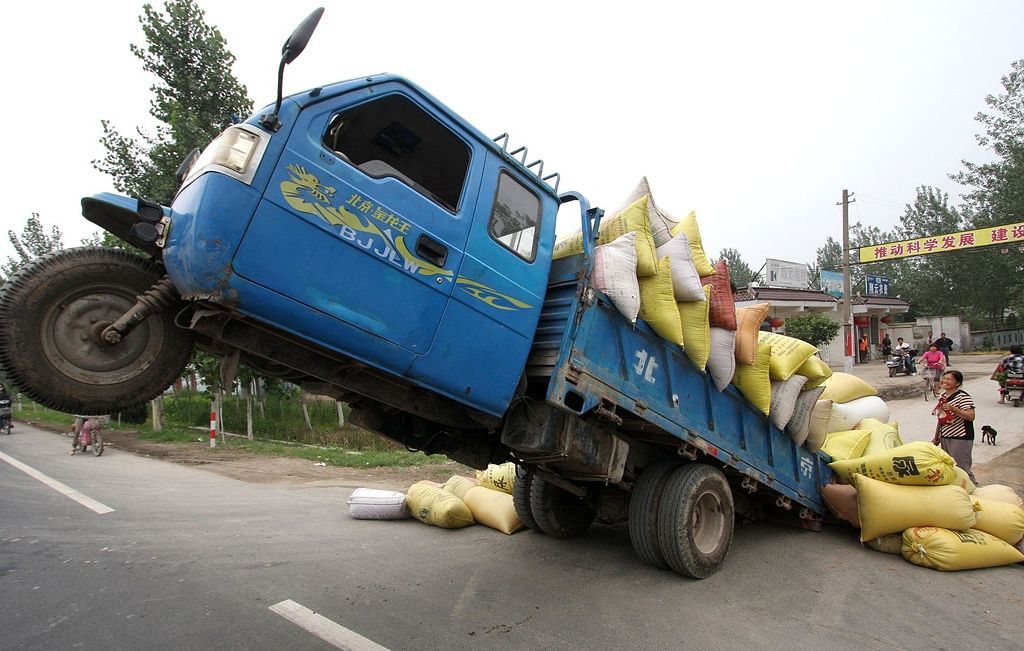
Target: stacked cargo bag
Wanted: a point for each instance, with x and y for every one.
(846, 445)
(753, 380)
(886, 508)
(686, 284)
(376, 504)
(688, 226)
(615, 274)
(815, 370)
(817, 427)
(884, 436)
(660, 221)
(788, 354)
(963, 480)
(632, 219)
(722, 326)
(785, 394)
(1001, 519)
(658, 303)
(915, 464)
(999, 493)
(799, 425)
(748, 324)
(693, 317)
(853, 400)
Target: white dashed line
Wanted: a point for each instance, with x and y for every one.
(334, 634)
(63, 489)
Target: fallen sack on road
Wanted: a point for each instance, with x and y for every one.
(963, 480)
(891, 508)
(493, 509)
(841, 500)
(437, 507)
(458, 485)
(1001, 519)
(915, 464)
(940, 549)
(499, 477)
(890, 543)
(884, 436)
(376, 504)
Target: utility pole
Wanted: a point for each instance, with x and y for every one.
(848, 343)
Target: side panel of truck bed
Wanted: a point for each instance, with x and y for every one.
(596, 358)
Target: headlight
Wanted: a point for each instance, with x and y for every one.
(236, 152)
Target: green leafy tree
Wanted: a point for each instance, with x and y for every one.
(35, 240)
(815, 328)
(193, 101)
(740, 272)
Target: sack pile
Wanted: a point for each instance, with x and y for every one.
(912, 500)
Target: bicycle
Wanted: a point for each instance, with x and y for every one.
(931, 376)
(89, 432)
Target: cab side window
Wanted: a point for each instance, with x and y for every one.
(515, 217)
(391, 136)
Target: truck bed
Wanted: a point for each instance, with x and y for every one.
(597, 361)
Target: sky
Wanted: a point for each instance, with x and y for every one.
(754, 114)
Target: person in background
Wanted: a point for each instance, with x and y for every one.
(945, 344)
(954, 431)
(934, 362)
(903, 349)
(1012, 363)
(886, 345)
(862, 346)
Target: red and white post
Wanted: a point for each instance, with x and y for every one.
(213, 423)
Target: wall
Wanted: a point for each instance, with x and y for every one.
(999, 338)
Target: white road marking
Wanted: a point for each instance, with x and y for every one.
(63, 489)
(334, 634)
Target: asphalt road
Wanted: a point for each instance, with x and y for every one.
(190, 559)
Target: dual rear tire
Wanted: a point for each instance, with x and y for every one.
(548, 508)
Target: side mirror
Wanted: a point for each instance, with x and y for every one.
(296, 43)
(293, 47)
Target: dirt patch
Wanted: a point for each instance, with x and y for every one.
(241, 464)
(1006, 469)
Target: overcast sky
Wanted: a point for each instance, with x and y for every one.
(754, 114)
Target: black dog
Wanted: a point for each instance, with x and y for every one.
(988, 435)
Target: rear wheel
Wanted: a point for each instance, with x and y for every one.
(521, 498)
(55, 309)
(892, 371)
(643, 512)
(557, 512)
(97, 443)
(695, 520)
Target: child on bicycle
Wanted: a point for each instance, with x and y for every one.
(934, 362)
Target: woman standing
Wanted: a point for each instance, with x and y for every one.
(954, 431)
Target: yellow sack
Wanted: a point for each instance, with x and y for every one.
(884, 436)
(458, 485)
(846, 445)
(999, 493)
(437, 507)
(693, 316)
(493, 509)
(753, 381)
(748, 324)
(817, 426)
(963, 480)
(815, 370)
(788, 353)
(498, 477)
(890, 543)
(945, 550)
(632, 219)
(1002, 520)
(915, 464)
(658, 304)
(688, 225)
(843, 387)
(889, 508)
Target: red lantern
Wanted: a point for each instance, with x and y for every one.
(886, 319)
(776, 322)
(861, 321)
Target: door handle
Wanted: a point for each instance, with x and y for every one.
(432, 250)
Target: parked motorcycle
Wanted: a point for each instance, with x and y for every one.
(1014, 388)
(901, 364)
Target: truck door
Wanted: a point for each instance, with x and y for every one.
(364, 216)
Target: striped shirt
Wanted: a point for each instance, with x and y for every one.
(957, 427)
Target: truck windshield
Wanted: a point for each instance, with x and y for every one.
(392, 136)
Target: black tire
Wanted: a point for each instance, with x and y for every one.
(696, 520)
(521, 498)
(557, 512)
(54, 309)
(892, 371)
(644, 503)
(1016, 402)
(97, 443)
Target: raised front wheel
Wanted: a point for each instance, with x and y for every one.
(695, 520)
(54, 310)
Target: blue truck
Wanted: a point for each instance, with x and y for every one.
(363, 241)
